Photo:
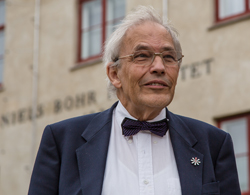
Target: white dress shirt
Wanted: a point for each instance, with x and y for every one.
(142, 164)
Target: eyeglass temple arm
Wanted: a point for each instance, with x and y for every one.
(130, 55)
(182, 56)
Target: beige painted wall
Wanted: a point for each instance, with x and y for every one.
(223, 91)
(15, 140)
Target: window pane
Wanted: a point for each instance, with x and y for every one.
(1, 44)
(114, 14)
(230, 7)
(91, 28)
(242, 166)
(1, 55)
(2, 12)
(1, 52)
(95, 41)
(85, 45)
(239, 131)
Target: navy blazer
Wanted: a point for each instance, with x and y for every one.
(72, 156)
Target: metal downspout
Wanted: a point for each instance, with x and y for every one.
(165, 9)
(35, 79)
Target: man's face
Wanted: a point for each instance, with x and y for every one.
(146, 87)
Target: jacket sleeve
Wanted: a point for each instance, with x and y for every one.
(225, 169)
(45, 176)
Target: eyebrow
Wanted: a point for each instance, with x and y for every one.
(145, 47)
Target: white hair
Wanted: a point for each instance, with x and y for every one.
(139, 16)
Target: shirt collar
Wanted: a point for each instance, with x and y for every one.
(121, 113)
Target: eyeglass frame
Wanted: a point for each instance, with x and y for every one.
(154, 54)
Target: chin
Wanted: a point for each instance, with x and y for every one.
(159, 102)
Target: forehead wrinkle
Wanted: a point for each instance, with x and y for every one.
(146, 47)
(167, 48)
(142, 47)
(148, 42)
(143, 37)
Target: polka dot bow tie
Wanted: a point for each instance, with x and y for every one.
(132, 127)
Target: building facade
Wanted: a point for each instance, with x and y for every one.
(51, 69)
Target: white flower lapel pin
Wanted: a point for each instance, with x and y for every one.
(195, 161)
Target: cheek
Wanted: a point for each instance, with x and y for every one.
(127, 79)
(173, 75)
(135, 75)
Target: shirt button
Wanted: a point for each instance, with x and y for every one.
(146, 182)
(130, 141)
(155, 142)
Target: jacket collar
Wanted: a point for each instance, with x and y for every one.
(183, 142)
(98, 123)
(92, 155)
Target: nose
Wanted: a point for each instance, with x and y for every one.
(157, 66)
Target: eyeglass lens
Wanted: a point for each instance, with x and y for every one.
(146, 57)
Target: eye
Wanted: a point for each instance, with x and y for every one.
(169, 56)
(142, 55)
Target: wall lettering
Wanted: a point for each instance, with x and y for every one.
(20, 116)
(196, 69)
(71, 102)
(59, 105)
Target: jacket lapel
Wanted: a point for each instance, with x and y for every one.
(92, 155)
(183, 142)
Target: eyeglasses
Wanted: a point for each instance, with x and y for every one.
(146, 57)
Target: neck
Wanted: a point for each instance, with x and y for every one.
(142, 113)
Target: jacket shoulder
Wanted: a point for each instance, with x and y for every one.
(206, 134)
(199, 126)
(79, 122)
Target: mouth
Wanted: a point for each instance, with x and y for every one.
(156, 84)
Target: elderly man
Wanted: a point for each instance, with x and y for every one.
(137, 147)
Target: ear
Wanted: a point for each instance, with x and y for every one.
(112, 73)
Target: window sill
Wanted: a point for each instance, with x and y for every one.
(229, 22)
(232, 116)
(80, 65)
